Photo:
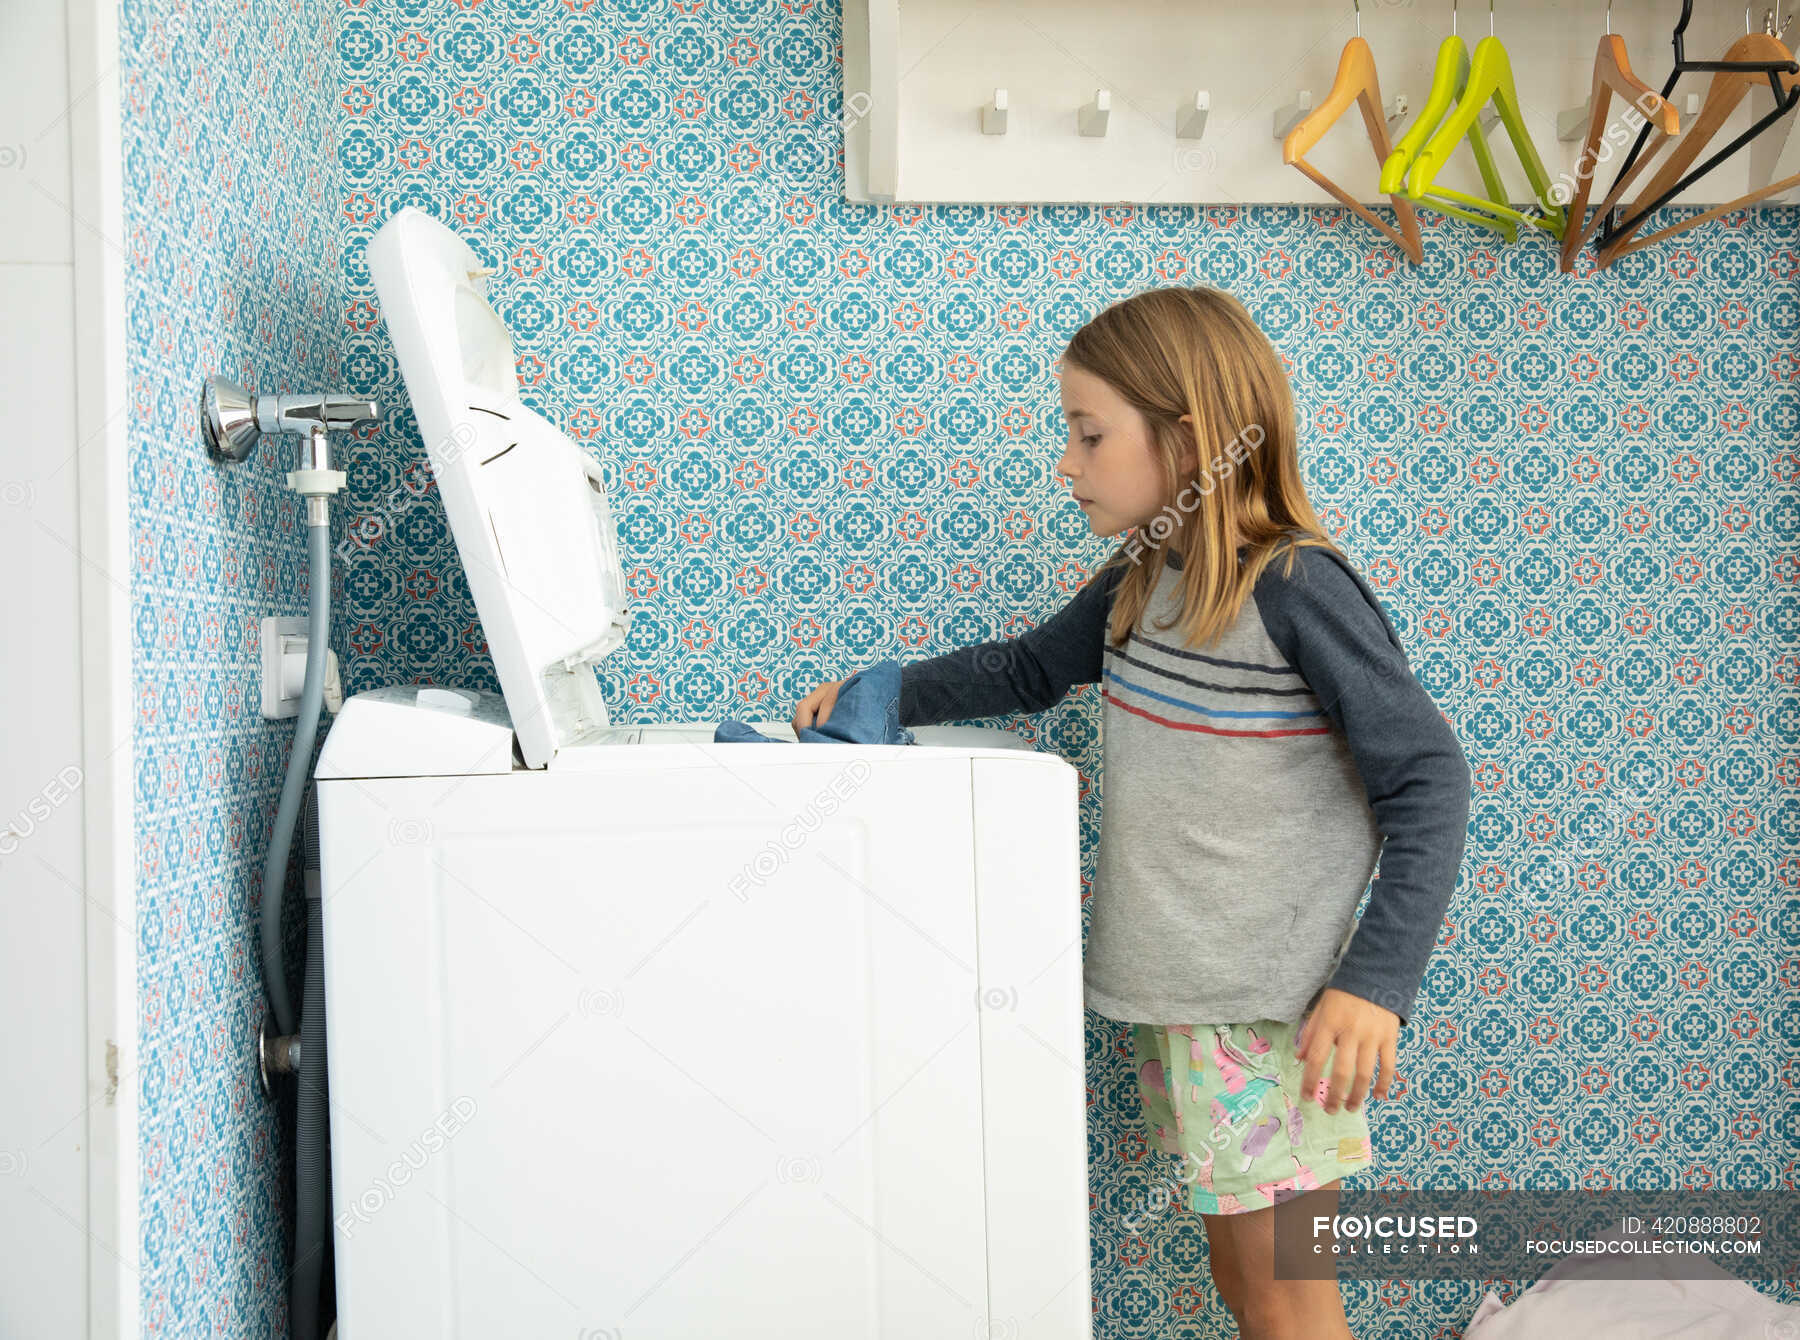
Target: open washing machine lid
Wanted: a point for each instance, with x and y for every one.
(526, 505)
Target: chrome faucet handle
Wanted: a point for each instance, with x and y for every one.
(298, 413)
(232, 419)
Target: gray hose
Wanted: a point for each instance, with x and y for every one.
(306, 730)
(312, 1176)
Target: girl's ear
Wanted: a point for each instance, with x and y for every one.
(1190, 457)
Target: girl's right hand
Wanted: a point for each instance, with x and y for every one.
(816, 706)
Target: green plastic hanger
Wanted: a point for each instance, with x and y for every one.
(1490, 80)
(1447, 83)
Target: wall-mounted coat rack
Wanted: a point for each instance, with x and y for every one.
(1183, 101)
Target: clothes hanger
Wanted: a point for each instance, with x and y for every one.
(1735, 74)
(1490, 80)
(1447, 82)
(1728, 88)
(1355, 83)
(1612, 75)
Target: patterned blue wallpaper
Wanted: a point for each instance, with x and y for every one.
(231, 260)
(830, 432)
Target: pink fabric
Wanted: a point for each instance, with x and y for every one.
(1569, 1302)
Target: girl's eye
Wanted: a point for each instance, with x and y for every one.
(1091, 440)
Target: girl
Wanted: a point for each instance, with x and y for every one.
(1262, 734)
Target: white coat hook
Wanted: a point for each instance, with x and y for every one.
(1572, 122)
(1190, 119)
(1395, 107)
(1091, 120)
(993, 116)
(1286, 118)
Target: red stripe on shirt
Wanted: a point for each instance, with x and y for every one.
(1110, 697)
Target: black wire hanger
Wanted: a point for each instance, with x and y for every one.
(1611, 229)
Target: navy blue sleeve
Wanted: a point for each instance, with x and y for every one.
(1028, 673)
(1329, 625)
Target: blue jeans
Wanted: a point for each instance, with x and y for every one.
(867, 711)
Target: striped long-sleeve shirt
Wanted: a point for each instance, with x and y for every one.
(1248, 789)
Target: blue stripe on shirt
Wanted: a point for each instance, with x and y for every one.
(1117, 678)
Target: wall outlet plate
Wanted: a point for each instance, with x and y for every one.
(279, 634)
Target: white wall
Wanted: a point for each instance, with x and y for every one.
(43, 1183)
(57, 1092)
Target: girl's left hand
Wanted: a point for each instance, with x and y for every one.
(1361, 1033)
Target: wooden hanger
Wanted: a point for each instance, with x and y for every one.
(1490, 80)
(1684, 66)
(1355, 83)
(1748, 61)
(1612, 75)
(1448, 80)
(1612, 254)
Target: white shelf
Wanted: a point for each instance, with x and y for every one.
(918, 72)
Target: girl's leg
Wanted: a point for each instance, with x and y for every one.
(1227, 1269)
(1275, 1309)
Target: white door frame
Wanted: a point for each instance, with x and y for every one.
(102, 401)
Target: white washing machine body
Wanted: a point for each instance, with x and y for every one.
(634, 1034)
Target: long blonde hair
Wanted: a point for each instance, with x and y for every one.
(1196, 351)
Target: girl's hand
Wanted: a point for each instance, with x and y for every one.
(816, 706)
(1361, 1033)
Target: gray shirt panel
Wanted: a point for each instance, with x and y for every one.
(1248, 790)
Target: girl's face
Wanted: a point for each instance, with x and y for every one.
(1111, 459)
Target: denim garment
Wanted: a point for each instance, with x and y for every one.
(867, 711)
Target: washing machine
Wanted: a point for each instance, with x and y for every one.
(637, 1036)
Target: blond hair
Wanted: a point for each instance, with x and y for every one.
(1197, 351)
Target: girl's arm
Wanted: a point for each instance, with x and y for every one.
(1329, 625)
(1027, 673)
